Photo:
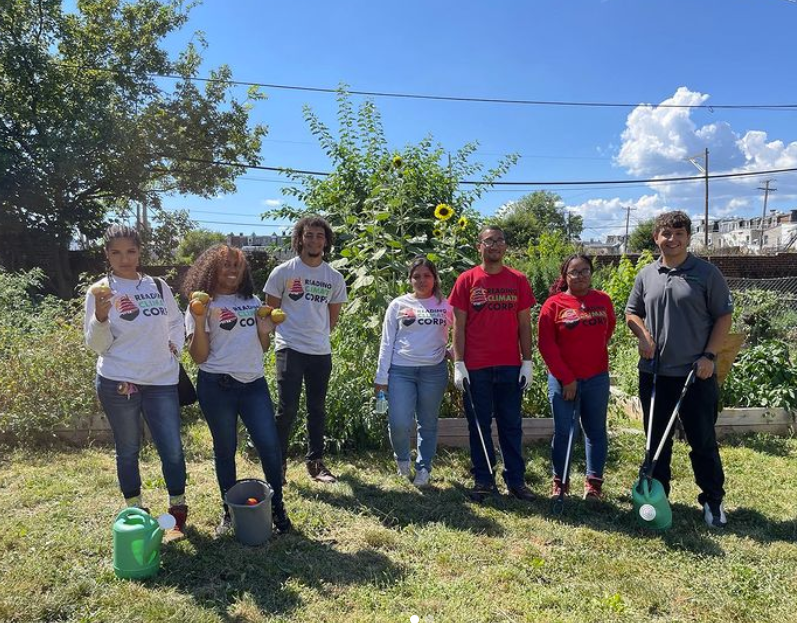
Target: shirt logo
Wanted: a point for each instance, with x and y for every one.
(127, 309)
(227, 319)
(295, 290)
(407, 316)
(478, 298)
(570, 318)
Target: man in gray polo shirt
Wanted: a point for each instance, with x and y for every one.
(680, 311)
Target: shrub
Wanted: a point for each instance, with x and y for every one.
(46, 372)
(764, 375)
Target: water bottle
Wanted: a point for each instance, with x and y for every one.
(381, 402)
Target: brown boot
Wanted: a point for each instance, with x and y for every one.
(180, 514)
(319, 472)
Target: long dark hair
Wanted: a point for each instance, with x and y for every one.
(423, 261)
(560, 285)
(203, 274)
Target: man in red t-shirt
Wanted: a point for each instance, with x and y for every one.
(492, 351)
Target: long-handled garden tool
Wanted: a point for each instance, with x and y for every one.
(559, 503)
(651, 507)
(475, 423)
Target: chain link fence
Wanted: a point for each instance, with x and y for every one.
(766, 308)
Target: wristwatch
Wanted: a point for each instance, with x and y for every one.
(709, 356)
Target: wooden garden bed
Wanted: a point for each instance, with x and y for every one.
(453, 432)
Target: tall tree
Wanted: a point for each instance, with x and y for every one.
(86, 128)
(641, 238)
(525, 220)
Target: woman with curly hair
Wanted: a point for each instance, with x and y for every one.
(227, 339)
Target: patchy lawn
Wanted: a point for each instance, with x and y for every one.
(374, 548)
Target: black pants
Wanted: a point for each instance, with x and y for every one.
(698, 415)
(293, 368)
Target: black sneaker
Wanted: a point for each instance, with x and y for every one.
(482, 491)
(319, 472)
(714, 515)
(522, 492)
(281, 521)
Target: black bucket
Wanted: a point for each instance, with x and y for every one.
(252, 522)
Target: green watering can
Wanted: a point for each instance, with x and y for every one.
(651, 506)
(137, 539)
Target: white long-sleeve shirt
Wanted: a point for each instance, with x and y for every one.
(414, 333)
(133, 344)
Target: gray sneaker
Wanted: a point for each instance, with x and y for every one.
(422, 478)
(403, 468)
(225, 525)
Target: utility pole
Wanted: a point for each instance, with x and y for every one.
(704, 170)
(766, 190)
(627, 220)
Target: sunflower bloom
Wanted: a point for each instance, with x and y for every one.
(462, 222)
(437, 233)
(397, 162)
(443, 212)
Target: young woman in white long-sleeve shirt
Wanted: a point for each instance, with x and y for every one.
(137, 330)
(412, 367)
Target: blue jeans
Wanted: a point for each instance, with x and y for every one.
(415, 392)
(161, 409)
(591, 403)
(496, 393)
(222, 400)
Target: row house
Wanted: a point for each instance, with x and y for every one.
(775, 232)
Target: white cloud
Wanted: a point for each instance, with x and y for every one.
(271, 203)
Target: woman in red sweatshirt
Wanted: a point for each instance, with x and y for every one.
(576, 323)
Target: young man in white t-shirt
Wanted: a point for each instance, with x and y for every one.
(311, 293)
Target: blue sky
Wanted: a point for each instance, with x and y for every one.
(713, 52)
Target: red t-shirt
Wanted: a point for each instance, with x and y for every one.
(574, 333)
(492, 303)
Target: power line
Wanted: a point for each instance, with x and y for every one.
(659, 180)
(449, 98)
(483, 100)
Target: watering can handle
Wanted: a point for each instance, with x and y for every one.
(132, 510)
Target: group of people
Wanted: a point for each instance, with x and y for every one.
(679, 310)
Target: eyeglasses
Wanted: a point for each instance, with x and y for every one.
(493, 242)
(585, 272)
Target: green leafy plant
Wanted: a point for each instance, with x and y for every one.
(764, 375)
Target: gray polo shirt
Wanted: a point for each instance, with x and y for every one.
(679, 306)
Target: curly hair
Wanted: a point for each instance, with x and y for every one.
(672, 220)
(311, 221)
(203, 274)
(560, 285)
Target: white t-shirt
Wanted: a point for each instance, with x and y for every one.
(414, 333)
(306, 293)
(133, 344)
(235, 347)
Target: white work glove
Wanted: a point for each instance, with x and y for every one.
(524, 378)
(460, 375)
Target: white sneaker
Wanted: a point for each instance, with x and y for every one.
(714, 514)
(403, 468)
(421, 477)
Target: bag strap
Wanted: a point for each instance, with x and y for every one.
(159, 284)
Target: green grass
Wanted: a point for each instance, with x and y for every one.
(373, 548)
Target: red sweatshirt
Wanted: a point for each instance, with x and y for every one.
(573, 334)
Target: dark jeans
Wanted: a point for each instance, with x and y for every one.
(698, 415)
(222, 400)
(293, 369)
(497, 394)
(160, 407)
